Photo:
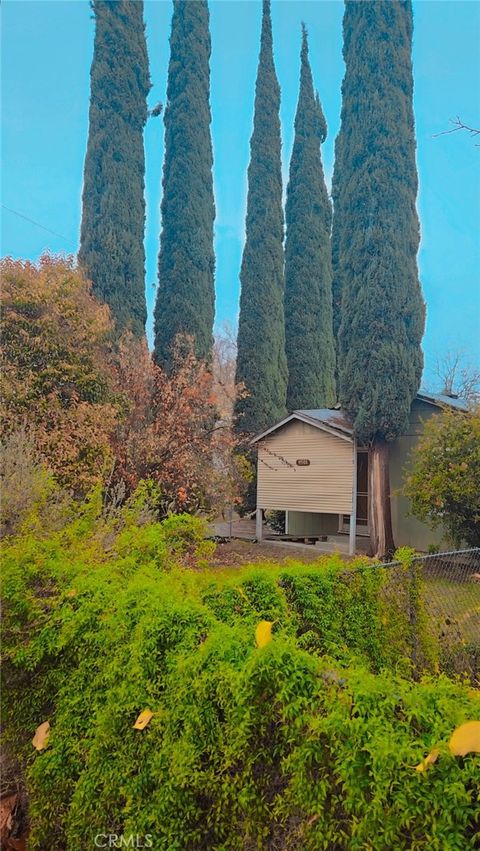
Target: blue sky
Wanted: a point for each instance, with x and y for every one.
(46, 54)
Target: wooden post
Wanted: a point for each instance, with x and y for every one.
(353, 516)
(259, 524)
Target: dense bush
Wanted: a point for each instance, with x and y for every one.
(96, 411)
(308, 743)
(442, 484)
(56, 377)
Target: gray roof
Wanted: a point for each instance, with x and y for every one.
(334, 417)
(336, 420)
(442, 399)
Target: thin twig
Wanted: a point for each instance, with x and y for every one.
(459, 125)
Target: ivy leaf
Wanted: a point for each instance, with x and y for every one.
(465, 739)
(263, 633)
(143, 719)
(428, 761)
(40, 739)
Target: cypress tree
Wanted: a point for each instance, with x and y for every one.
(113, 216)
(376, 237)
(308, 266)
(186, 265)
(261, 360)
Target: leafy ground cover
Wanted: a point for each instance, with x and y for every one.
(167, 720)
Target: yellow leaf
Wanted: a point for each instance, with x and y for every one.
(143, 719)
(263, 633)
(72, 592)
(429, 760)
(465, 739)
(40, 739)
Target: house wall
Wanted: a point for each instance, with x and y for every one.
(407, 530)
(324, 486)
(314, 496)
(308, 523)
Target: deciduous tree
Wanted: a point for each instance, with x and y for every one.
(443, 483)
(56, 379)
(169, 432)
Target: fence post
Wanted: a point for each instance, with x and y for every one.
(413, 595)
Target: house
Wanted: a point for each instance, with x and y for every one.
(311, 467)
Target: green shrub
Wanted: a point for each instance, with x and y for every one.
(308, 743)
(442, 482)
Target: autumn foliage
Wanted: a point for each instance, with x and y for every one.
(105, 413)
(56, 379)
(171, 431)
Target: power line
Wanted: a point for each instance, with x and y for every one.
(33, 222)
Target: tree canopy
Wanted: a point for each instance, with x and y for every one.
(261, 360)
(113, 213)
(186, 264)
(378, 307)
(56, 379)
(443, 482)
(378, 302)
(310, 344)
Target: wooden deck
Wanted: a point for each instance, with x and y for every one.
(239, 527)
(244, 529)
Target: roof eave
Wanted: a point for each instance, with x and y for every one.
(442, 402)
(341, 433)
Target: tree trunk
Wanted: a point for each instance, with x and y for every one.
(381, 534)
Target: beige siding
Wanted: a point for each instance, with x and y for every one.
(324, 486)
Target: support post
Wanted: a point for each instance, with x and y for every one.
(353, 516)
(259, 524)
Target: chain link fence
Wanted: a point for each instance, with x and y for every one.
(441, 594)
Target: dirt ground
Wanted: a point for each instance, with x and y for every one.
(236, 553)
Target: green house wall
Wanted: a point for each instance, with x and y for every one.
(407, 530)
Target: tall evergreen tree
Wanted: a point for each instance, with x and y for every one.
(186, 264)
(376, 237)
(308, 264)
(113, 215)
(261, 360)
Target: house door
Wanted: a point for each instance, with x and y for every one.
(362, 496)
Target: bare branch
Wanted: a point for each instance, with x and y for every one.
(457, 377)
(459, 125)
